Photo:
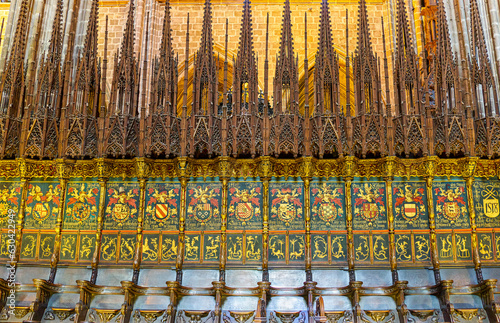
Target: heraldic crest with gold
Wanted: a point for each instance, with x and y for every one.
(369, 205)
(286, 206)
(244, 206)
(328, 205)
(203, 206)
(451, 206)
(81, 205)
(121, 207)
(10, 194)
(42, 205)
(162, 202)
(410, 205)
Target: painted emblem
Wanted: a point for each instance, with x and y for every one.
(490, 202)
(286, 204)
(369, 202)
(203, 205)
(450, 202)
(165, 204)
(122, 204)
(327, 203)
(41, 205)
(82, 203)
(409, 203)
(244, 203)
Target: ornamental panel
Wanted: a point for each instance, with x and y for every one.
(410, 205)
(450, 205)
(286, 202)
(82, 205)
(369, 205)
(122, 206)
(203, 206)
(244, 206)
(327, 206)
(486, 203)
(162, 206)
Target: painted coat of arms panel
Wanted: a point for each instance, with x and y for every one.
(42, 205)
(162, 206)
(82, 206)
(410, 206)
(486, 203)
(122, 206)
(203, 206)
(10, 197)
(286, 202)
(244, 206)
(450, 205)
(369, 206)
(327, 206)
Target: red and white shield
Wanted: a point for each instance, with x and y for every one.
(40, 211)
(410, 210)
(161, 211)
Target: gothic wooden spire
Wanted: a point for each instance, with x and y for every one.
(367, 81)
(286, 85)
(121, 123)
(125, 86)
(163, 138)
(480, 66)
(205, 81)
(246, 129)
(245, 86)
(445, 66)
(326, 68)
(12, 86)
(43, 126)
(164, 85)
(406, 78)
(83, 108)
(50, 78)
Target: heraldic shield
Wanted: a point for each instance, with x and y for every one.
(244, 211)
(120, 212)
(80, 212)
(203, 212)
(41, 211)
(328, 212)
(286, 213)
(451, 210)
(161, 212)
(410, 210)
(370, 211)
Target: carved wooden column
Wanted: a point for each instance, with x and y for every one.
(430, 165)
(224, 175)
(348, 171)
(390, 164)
(142, 169)
(306, 175)
(63, 172)
(102, 171)
(23, 175)
(182, 168)
(172, 307)
(468, 174)
(265, 173)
